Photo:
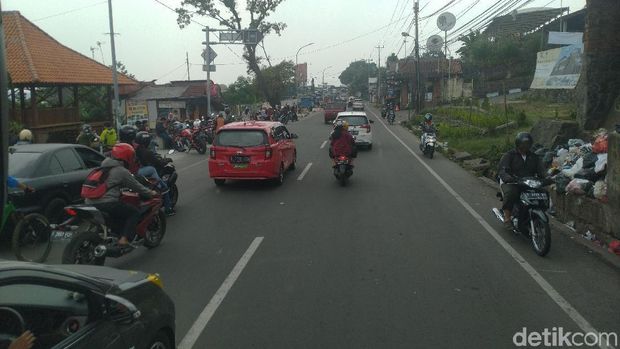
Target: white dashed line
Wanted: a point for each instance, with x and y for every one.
(323, 144)
(304, 172)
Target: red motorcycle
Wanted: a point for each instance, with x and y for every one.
(343, 169)
(190, 138)
(94, 236)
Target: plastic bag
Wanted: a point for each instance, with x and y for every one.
(587, 173)
(548, 158)
(575, 142)
(589, 160)
(574, 169)
(562, 155)
(601, 163)
(600, 145)
(561, 182)
(600, 190)
(579, 186)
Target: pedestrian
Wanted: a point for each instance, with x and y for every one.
(25, 137)
(219, 121)
(108, 136)
(161, 130)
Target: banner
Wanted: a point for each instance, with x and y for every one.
(566, 38)
(558, 68)
(136, 110)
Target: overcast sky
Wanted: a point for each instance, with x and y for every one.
(152, 46)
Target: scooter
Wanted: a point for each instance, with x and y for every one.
(391, 116)
(528, 214)
(428, 143)
(343, 169)
(95, 236)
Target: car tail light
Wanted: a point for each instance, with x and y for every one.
(367, 127)
(71, 212)
(268, 153)
(212, 152)
(342, 158)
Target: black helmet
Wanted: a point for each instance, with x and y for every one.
(143, 138)
(524, 139)
(127, 134)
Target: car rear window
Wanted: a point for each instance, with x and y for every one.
(354, 120)
(21, 165)
(241, 138)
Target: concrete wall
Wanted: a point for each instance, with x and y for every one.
(600, 78)
(613, 173)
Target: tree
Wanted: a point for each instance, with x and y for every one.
(356, 76)
(278, 79)
(242, 91)
(228, 14)
(393, 58)
(120, 67)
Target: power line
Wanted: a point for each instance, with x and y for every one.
(446, 6)
(70, 11)
(171, 71)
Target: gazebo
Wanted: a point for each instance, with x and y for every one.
(52, 87)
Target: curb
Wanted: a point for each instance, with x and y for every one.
(607, 257)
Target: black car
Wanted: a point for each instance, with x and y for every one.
(79, 306)
(55, 171)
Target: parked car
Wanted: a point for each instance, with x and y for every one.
(331, 110)
(359, 127)
(80, 306)
(252, 150)
(55, 171)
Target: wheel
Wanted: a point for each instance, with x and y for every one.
(541, 237)
(160, 341)
(174, 194)
(431, 153)
(280, 179)
(32, 238)
(293, 165)
(219, 182)
(81, 249)
(55, 211)
(202, 147)
(370, 147)
(155, 231)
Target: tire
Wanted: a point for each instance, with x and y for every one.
(343, 181)
(55, 211)
(431, 154)
(280, 179)
(160, 341)
(219, 182)
(155, 231)
(202, 147)
(32, 238)
(81, 249)
(541, 238)
(370, 147)
(293, 165)
(174, 194)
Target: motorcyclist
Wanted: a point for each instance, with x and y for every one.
(162, 131)
(427, 127)
(341, 141)
(108, 136)
(517, 163)
(87, 137)
(121, 162)
(127, 134)
(150, 163)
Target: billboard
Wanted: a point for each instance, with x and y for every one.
(558, 68)
(301, 73)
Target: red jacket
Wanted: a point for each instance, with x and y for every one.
(342, 145)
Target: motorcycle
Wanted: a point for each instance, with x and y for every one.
(95, 236)
(391, 116)
(528, 215)
(188, 139)
(343, 169)
(428, 143)
(284, 117)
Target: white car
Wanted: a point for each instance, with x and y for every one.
(359, 127)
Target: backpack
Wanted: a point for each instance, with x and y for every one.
(95, 185)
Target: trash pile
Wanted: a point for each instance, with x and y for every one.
(579, 168)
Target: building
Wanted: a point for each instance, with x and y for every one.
(441, 80)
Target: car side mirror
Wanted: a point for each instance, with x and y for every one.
(294, 136)
(121, 310)
(372, 121)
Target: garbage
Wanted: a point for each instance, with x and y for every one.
(548, 158)
(600, 144)
(570, 172)
(570, 225)
(589, 160)
(561, 181)
(588, 235)
(579, 186)
(575, 142)
(601, 163)
(614, 247)
(600, 190)
(587, 173)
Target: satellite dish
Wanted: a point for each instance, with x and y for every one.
(446, 21)
(434, 43)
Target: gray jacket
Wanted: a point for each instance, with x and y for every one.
(118, 178)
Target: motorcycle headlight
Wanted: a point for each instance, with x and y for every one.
(533, 183)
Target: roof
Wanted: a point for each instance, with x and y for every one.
(352, 113)
(159, 92)
(42, 147)
(34, 57)
(429, 66)
(522, 21)
(262, 125)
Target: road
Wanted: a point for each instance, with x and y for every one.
(408, 255)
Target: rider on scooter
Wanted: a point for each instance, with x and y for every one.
(427, 126)
(342, 143)
(121, 164)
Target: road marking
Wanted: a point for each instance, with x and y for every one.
(192, 165)
(583, 324)
(323, 144)
(207, 313)
(304, 172)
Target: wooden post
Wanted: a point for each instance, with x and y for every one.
(60, 96)
(33, 104)
(13, 99)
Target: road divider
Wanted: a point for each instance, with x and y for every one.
(583, 324)
(304, 172)
(207, 313)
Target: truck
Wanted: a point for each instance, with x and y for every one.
(306, 102)
(331, 110)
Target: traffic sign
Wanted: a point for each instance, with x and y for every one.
(231, 36)
(210, 67)
(209, 57)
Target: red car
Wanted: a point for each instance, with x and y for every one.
(252, 150)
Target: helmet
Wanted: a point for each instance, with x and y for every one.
(124, 152)
(342, 124)
(428, 117)
(25, 135)
(87, 128)
(524, 141)
(127, 134)
(143, 138)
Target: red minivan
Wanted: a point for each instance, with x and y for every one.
(252, 150)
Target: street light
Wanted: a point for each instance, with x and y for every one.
(324, 75)
(296, 67)
(405, 35)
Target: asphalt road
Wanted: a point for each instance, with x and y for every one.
(400, 258)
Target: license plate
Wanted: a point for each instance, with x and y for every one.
(355, 133)
(239, 159)
(58, 235)
(240, 165)
(536, 196)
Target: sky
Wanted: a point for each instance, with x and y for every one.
(153, 47)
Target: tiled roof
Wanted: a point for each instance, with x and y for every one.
(35, 57)
(521, 22)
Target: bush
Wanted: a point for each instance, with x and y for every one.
(485, 103)
(521, 118)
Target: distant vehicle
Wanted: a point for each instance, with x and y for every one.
(331, 110)
(306, 102)
(359, 127)
(79, 306)
(55, 171)
(358, 105)
(252, 150)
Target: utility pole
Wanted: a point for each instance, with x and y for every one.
(117, 103)
(187, 63)
(92, 52)
(405, 41)
(417, 57)
(208, 63)
(379, 47)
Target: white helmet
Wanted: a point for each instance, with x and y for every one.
(25, 135)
